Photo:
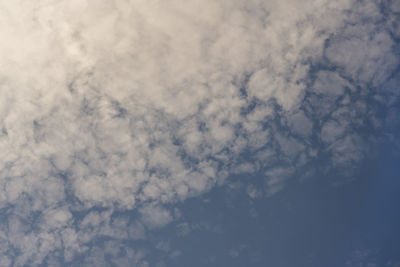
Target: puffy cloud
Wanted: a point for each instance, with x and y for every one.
(300, 124)
(121, 106)
(155, 216)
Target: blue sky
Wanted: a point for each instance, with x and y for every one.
(200, 133)
(309, 224)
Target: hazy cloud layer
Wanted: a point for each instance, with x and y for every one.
(110, 107)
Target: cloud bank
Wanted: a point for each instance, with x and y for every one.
(110, 107)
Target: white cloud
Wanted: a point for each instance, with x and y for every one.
(300, 124)
(374, 59)
(331, 131)
(128, 103)
(155, 216)
(56, 218)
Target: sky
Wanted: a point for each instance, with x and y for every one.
(200, 133)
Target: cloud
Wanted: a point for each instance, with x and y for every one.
(275, 179)
(155, 216)
(130, 106)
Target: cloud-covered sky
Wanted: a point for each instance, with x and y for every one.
(115, 115)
